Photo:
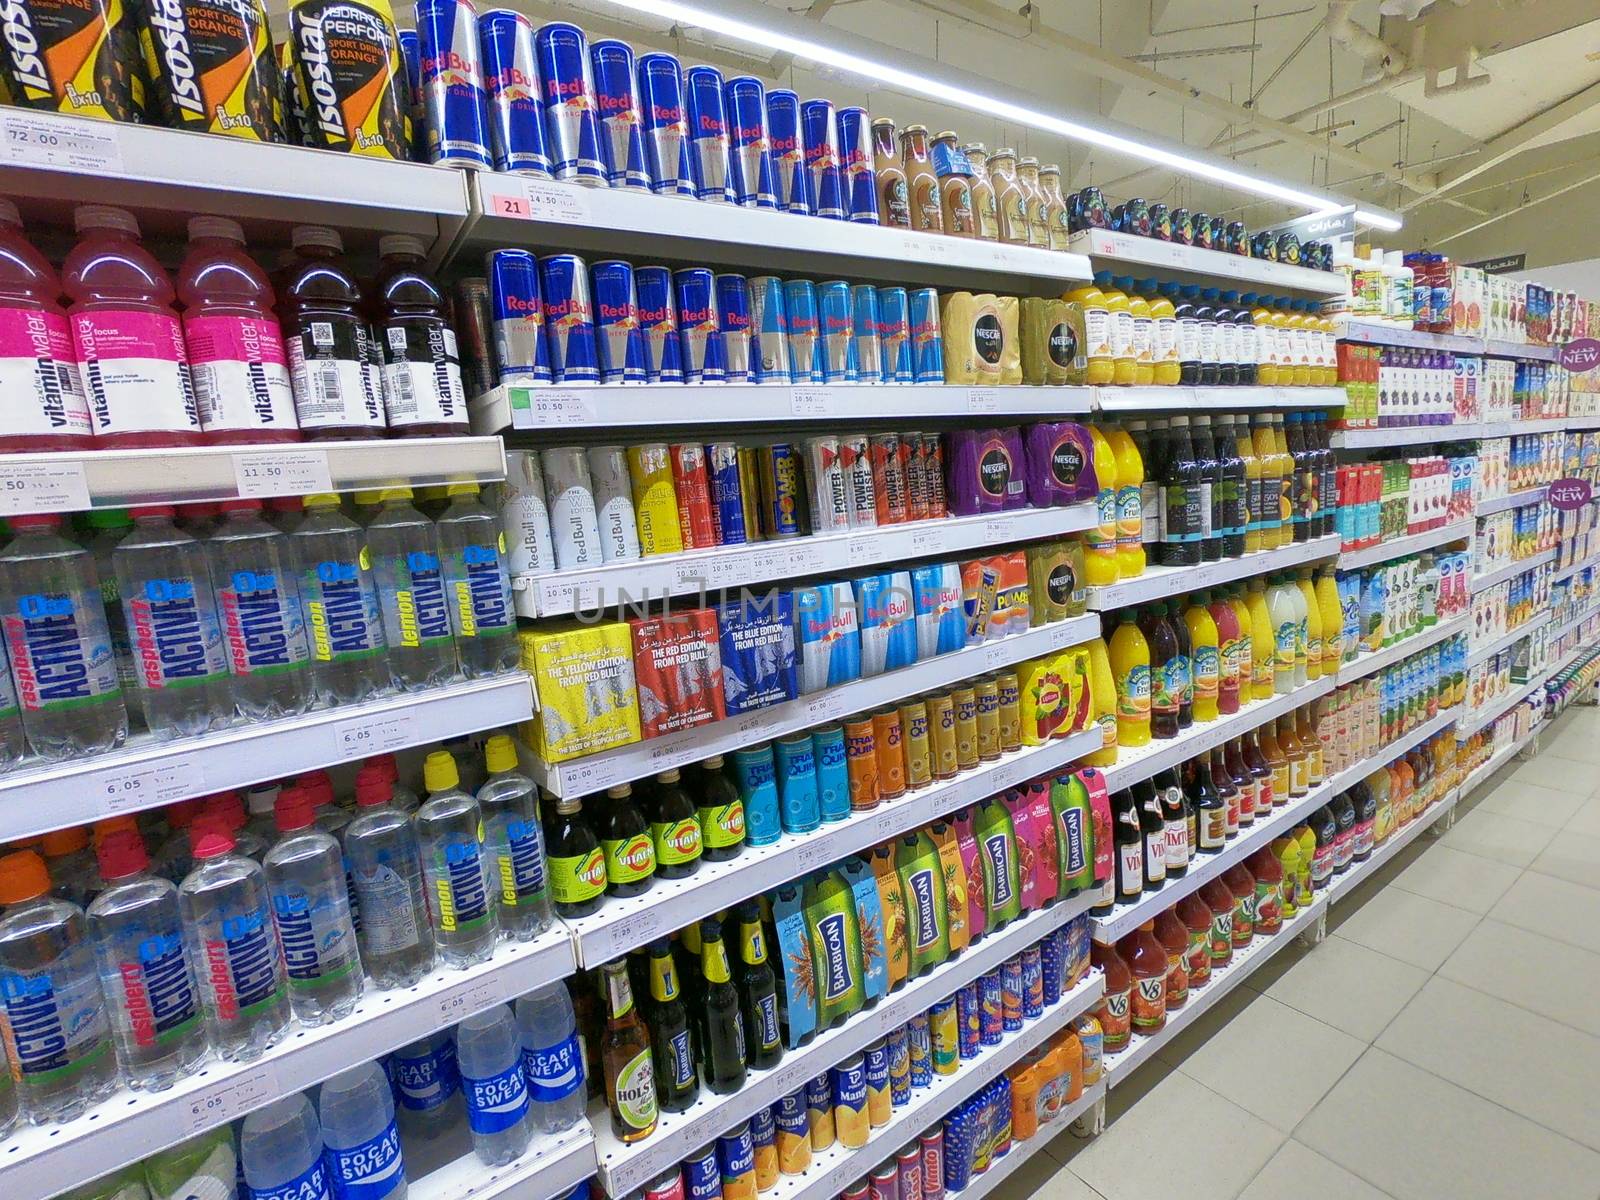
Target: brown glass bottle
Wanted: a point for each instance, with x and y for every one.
(625, 838)
(1261, 772)
(672, 1050)
(985, 216)
(1233, 756)
(894, 199)
(1055, 206)
(922, 185)
(1227, 790)
(955, 186)
(1038, 221)
(625, 1053)
(1009, 201)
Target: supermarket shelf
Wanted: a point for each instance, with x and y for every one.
(1475, 720)
(1505, 641)
(622, 925)
(1365, 664)
(1568, 659)
(1567, 572)
(626, 1168)
(1525, 350)
(551, 1166)
(596, 772)
(1390, 751)
(1572, 623)
(1377, 334)
(1002, 1169)
(836, 1168)
(1343, 885)
(1119, 251)
(1214, 399)
(1223, 980)
(1401, 435)
(1511, 570)
(645, 227)
(110, 478)
(1584, 422)
(1134, 765)
(1495, 761)
(148, 773)
(1161, 582)
(656, 577)
(1514, 500)
(43, 1161)
(1391, 548)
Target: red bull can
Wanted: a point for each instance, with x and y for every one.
(666, 125)
(572, 127)
(658, 324)
(894, 337)
(511, 77)
(933, 471)
(888, 454)
(569, 318)
(769, 331)
(733, 319)
(855, 161)
(616, 99)
(864, 317)
(830, 510)
(411, 58)
(805, 347)
(837, 333)
(689, 481)
(819, 130)
(930, 1148)
(619, 339)
(927, 346)
(727, 493)
(517, 317)
(450, 76)
(791, 179)
(744, 98)
(860, 489)
(780, 490)
(708, 135)
(704, 356)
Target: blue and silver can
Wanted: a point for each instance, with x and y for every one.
(569, 318)
(511, 77)
(1011, 994)
(967, 1020)
(899, 1067)
(708, 135)
(921, 1039)
(520, 347)
(658, 324)
(733, 319)
(837, 333)
(769, 331)
(749, 147)
(619, 340)
(411, 59)
(617, 97)
(855, 161)
(927, 346)
(666, 127)
(819, 131)
(571, 123)
(727, 494)
(1050, 972)
(894, 336)
(805, 346)
(450, 77)
(702, 1177)
(704, 356)
(866, 322)
(790, 177)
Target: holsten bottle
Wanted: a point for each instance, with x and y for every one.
(385, 869)
(281, 1153)
(513, 840)
(490, 1056)
(460, 902)
(472, 550)
(404, 549)
(145, 973)
(552, 1058)
(349, 657)
(360, 1140)
(46, 408)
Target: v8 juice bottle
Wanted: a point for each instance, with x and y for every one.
(422, 366)
(129, 341)
(338, 388)
(45, 405)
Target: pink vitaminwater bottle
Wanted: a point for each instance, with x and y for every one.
(45, 408)
(236, 356)
(130, 344)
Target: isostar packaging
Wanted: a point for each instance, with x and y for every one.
(677, 666)
(886, 622)
(1052, 342)
(1012, 606)
(980, 585)
(78, 58)
(1060, 464)
(583, 676)
(981, 345)
(759, 663)
(351, 77)
(936, 598)
(830, 639)
(212, 67)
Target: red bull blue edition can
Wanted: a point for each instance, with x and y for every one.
(864, 319)
(727, 493)
(658, 324)
(820, 132)
(927, 346)
(894, 337)
(617, 100)
(855, 161)
(569, 318)
(450, 76)
(733, 319)
(571, 122)
(517, 317)
(837, 333)
(619, 340)
(511, 77)
(704, 355)
(666, 126)
(708, 134)
(769, 331)
(744, 99)
(791, 180)
(805, 346)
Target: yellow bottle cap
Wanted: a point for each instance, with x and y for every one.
(397, 493)
(500, 754)
(368, 496)
(439, 772)
(462, 489)
(321, 500)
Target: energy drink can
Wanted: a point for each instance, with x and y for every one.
(883, 613)
(908, 1165)
(795, 765)
(855, 162)
(967, 1021)
(411, 59)
(987, 693)
(733, 319)
(727, 497)
(655, 499)
(744, 98)
(792, 182)
(702, 1176)
(833, 773)
(569, 318)
(211, 63)
(899, 1042)
(750, 492)
(966, 705)
(1009, 694)
(1051, 976)
(619, 340)
(574, 524)
(930, 1147)
(888, 458)
(886, 736)
(666, 127)
(667, 1187)
(764, 1137)
(769, 331)
(616, 98)
(861, 758)
(355, 101)
(864, 318)
(940, 613)
(780, 490)
(1033, 982)
(850, 1120)
(525, 515)
(942, 734)
(927, 346)
(819, 1111)
(511, 77)
(708, 135)
(658, 324)
(830, 512)
(736, 1163)
(991, 1009)
(914, 739)
(921, 1040)
(933, 472)
(837, 333)
(861, 493)
(830, 640)
(450, 77)
(695, 522)
(704, 355)
(572, 128)
(613, 503)
(945, 1035)
(879, 1105)
(894, 336)
(884, 1182)
(819, 133)
(794, 1133)
(916, 477)
(474, 320)
(1011, 994)
(805, 346)
(520, 349)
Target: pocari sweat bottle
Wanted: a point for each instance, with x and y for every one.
(453, 864)
(311, 906)
(360, 1141)
(490, 1057)
(145, 973)
(280, 1152)
(385, 868)
(514, 842)
(263, 621)
(227, 919)
(427, 1084)
(404, 546)
(349, 657)
(472, 547)
(56, 1029)
(552, 1059)
(60, 647)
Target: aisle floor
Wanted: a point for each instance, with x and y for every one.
(1444, 1040)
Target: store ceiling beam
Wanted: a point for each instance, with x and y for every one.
(1524, 206)
(783, 60)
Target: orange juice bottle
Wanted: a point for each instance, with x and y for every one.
(1123, 357)
(1263, 642)
(1241, 612)
(1277, 761)
(1286, 478)
(1265, 505)
(1130, 667)
(1332, 621)
(1205, 655)
(1300, 340)
(1130, 503)
(1267, 357)
(1313, 622)
(1096, 332)
(1305, 728)
(1164, 325)
(1144, 340)
(1102, 704)
(1330, 350)
(1100, 562)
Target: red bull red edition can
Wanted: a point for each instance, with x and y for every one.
(749, 148)
(517, 309)
(658, 325)
(617, 99)
(704, 356)
(790, 178)
(708, 135)
(855, 160)
(769, 331)
(927, 347)
(511, 77)
(569, 318)
(733, 318)
(894, 336)
(837, 325)
(820, 132)
(619, 340)
(666, 128)
(805, 346)
(571, 123)
(864, 316)
(450, 75)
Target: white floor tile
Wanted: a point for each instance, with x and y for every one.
(1409, 927)
(1586, 820)
(1501, 839)
(1568, 912)
(1529, 970)
(1574, 857)
(1537, 803)
(1043, 1178)
(1348, 986)
(1551, 771)
(1458, 878)
(1297, 1172)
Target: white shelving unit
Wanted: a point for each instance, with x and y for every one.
(1507, 640)
(1159, 583)
(1495, 348)
(1365, 664)
(1343, 885)
(551, 1166)
(1475, 719)
(1480, 583)
(1414, 543)
(1001, 1170)
(1567, 572)
(1214, 399)
(1572, 623)
(1375, 333)
(1514, 500)
(1126, 253)
(1459, 431)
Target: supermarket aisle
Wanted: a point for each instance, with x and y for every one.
(1443, 1041)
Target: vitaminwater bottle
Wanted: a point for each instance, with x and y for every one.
(57, 1036)
(422, 367)
(46, 408)
(145, 974)
(349, 657)
(129, 342)
(404, 549)
(281, 1152)
(489, 1053)
(359, 1138)
(552, 1058)
(472, 551)
(385, 869)
(173, 633)
(311, 905)
(459, 900)
(333, 359)
(236, 355)
(58, 642)
(227, 920)
(513, 839)
(263, 620)
(427, 1084)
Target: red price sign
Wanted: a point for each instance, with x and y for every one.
(1568, 495)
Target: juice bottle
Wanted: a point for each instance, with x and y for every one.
(1260, 773)
(1195, 914)
(1344, 840)
(1103, 703)
(1144, 347)
(1123, 356)
(1227, 337)
(1329, 376)
(1205, 315)
(1101, 565)
(1205, 454)
(1130, 666)
(1183, 299)
(1244, 780)
(927, 212)
(47, 408)
(1147, 960)
(422, 367)
(1227, 789)
(1114, 1011)
(1306, 844)
(1130, 502)
(1325, 830)
(1285, 634)
(1268, 873)
(1174, 939)
(1264, 499)
(1294, 320)
(1286, 481)
(1242, 885)
(1299, 760)
(1185, 504)
(1313, 623)
(1302, 616)
(1185, 669)
(1263, 644)
(129, 341)
(1096, 333)
(1234, 505)
(1247, 664)
(1267, 356)
(236, 352)
(1244, 322)
(1229, 646)
(1219, 899)
(1327, 589)
(1166, 366)
(894, 204)
(1211, 813)
(1206, 650)
(1287, 851)
(1305, 728)
(1267, 741)
(1167, 668)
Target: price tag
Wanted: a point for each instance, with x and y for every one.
(559, 406)
(37, 141)
(925, 541)
(542, 202)
(927, 249)
(282, 473)
(635, 931)
(826, 707)
(42, 487)
(813, 853)
(811, 402)
(132, 788)
(358, 737)
(862, 551)
(467, 998)
(994, 657)
(994, 531)
(983, 400)
(230, 1098)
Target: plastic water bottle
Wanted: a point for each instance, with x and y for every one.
(490, 1056)
(73, 872)
(263, 621)
(472, 548)
(110, 526)
(259, 803)
(422, 389)
(175, 856)
(427, 1082)
(552, 1059)
(8, 1102)
(404, 546)
(173, 630)
(60, 648)
(305, 878)
(513, 839)
(360, 1140)
(38, 364)
(385, 866)
(12, 740)
(280, 1152)
(468, 755)
(145, 973)
(403, 797)
(227, 919)
(460, 902)
(349, 658)
(58, 1037)
(199, 1168)
(226, 811)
